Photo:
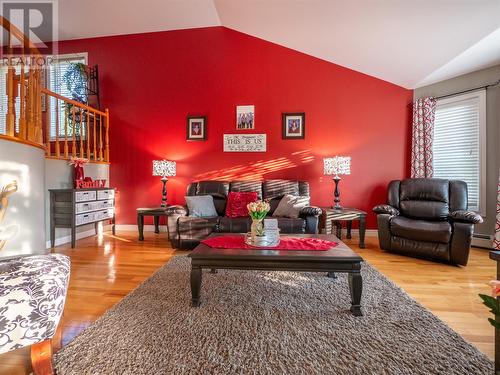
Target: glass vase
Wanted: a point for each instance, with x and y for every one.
(257, 228)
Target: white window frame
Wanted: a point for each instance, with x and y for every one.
(481, 95)
(56, 59)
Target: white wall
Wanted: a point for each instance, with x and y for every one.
(25, 217)
(59, 175)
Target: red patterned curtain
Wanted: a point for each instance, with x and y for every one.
(496, 239)
(422, 137)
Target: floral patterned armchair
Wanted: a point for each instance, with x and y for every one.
(32, 295)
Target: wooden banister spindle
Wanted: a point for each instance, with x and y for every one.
(47, 125)
(95, 136)
(66, 115)
(80, 112)
(87, 134)
(73, 130)
(22, 105)
(106, 138)
(100, 137)
(58, 150)
(10, 120)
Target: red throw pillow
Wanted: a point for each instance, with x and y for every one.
(237, 203)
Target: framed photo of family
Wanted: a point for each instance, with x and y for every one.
(196, 128)
(294, 125)
(245, 117)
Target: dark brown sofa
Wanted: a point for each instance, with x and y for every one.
(186, 232)
(427, 218)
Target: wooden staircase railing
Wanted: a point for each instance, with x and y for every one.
(35, 115)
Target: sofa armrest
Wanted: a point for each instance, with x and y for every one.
(310, 211)
(386, 209)
(173, 214)
(463, 216)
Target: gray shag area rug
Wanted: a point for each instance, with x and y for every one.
(253, 322)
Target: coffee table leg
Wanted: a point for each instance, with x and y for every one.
(195, 286)
(213, 270)
(356, 288)
(331, 275)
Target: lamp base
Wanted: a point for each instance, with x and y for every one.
(336, 194)
(164, 192)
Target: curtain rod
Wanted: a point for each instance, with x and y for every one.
(469, 90)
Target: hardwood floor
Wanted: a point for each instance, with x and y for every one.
(106, 268)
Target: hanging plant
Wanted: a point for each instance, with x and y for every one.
(76, 80)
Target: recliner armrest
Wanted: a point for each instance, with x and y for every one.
(177, 210)
(310, 211)
(466, 217)
(386, 209)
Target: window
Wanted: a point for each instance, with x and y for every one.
(55, 74)
(459, 143)
(55, 83)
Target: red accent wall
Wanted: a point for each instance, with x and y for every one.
(151, 82)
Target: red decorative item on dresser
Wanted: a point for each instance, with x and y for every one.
(78, 174)
(237, 203)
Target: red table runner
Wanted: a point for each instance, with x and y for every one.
(286, 243)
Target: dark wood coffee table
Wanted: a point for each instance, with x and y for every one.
(339, 259)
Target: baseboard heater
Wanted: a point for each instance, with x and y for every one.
(482, 240)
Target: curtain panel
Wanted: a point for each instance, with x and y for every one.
(424, 110)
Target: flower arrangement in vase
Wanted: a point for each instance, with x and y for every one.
(258, 211)
(78, 164)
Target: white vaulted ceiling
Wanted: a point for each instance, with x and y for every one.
(406, 42)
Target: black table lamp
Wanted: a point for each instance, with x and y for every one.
(164, 168)
(336, 166)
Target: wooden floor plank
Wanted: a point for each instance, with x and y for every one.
(106, 268)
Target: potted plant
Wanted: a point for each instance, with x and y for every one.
(493, 304)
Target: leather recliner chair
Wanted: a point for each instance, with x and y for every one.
(427, 218)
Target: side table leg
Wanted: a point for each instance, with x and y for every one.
(349, 227)
(157, 223)
(362, 230)
(338, 226)
(196, 275)
(356, 289)
(140, 226)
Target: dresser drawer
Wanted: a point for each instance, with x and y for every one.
(85, 196)
(104, 214)
(86, 207)
(109, 203)
(105, 194)
(85, 218)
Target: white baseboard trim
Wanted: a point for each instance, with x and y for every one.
(79, 235)
(483, 241)
(67, 239)
(133, 227)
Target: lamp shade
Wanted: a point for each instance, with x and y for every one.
(337, 165)
(164, 168)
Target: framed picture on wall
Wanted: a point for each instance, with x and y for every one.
(245, 117)
(294, 125)
(196, 128)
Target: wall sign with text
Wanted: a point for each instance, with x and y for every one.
(244, 142)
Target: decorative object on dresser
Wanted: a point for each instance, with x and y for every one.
(294, 125)
(333, 218)
(156, 212)
(78, 173)
(196, 128)
(336, 166)
(164, 168)
(71, 208)
(427, 218)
